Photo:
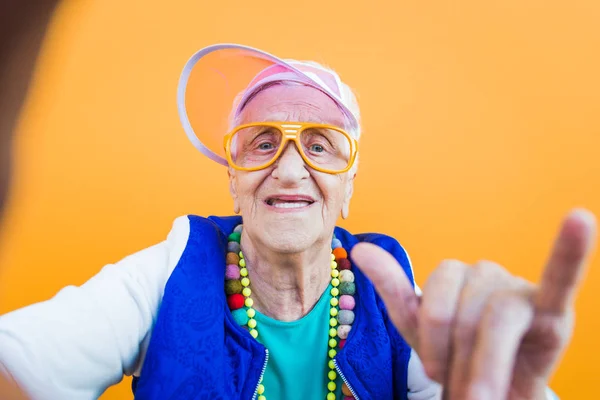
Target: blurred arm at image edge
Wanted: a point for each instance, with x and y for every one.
(23, 26)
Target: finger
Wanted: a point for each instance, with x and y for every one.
(393, 286)
(484, 279)
(506, 319)
(566, 265)
(439, 305)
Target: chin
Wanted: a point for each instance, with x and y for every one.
(291, 235)
(289, 239)
(288, 232)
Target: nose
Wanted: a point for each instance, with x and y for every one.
(290, 167)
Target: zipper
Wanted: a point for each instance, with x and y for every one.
(344, 379)
(261, 374)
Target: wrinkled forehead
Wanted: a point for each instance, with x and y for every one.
(291, 102)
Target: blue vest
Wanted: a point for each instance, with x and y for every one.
(197, 351)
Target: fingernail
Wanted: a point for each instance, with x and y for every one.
(584, 215)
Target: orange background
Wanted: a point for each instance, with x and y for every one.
(481, 130)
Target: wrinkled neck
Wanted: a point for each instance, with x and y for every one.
(286, 286)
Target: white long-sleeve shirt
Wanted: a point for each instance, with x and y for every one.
(85, 339)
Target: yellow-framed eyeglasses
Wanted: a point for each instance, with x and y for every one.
(325, 148)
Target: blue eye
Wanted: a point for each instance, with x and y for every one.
(317, 148)
(266, 146)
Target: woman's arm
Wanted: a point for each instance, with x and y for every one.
(22, 30)
(86, 338)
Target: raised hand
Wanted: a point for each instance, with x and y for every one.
(480, 331)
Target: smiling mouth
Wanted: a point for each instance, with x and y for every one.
(291, 203)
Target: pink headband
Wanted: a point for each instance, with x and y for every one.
(327, 82)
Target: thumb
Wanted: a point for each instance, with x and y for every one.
(393, 286)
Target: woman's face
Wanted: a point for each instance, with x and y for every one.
(288, 206)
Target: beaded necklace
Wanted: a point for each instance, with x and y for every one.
(237, 288)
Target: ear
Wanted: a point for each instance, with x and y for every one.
(233, 190)
(348, 196)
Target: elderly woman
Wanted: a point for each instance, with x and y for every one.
(272, 304)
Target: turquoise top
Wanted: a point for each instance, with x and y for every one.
(298, 354)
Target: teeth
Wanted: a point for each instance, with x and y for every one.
(289, 204)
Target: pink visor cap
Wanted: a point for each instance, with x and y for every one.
(218, 81)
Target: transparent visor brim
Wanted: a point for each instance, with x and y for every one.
(208, 88)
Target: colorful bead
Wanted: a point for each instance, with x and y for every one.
(233, 247)
(346, 317)
(235, 237)
(347, 288)
(346, 275)
(232, 258)
(232, 271)
(340, 253)
(343, 331)
(342, 316)
(347, 302)
(346, 390)
(344, 263)
(233, 286)
(240, 316)
(235, 301)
